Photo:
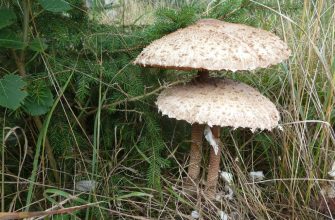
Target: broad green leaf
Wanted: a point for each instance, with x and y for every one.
(9, 39)
(7, 17)
(11, 91)
(38, 45)
(38, 101)
(55, 5)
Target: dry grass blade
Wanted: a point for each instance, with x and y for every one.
(21, 215)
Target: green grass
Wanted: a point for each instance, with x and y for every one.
(295, 160)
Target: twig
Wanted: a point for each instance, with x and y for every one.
(132, 99)
(20, 215)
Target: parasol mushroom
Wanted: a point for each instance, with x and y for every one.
(209, 45)
(224, 103)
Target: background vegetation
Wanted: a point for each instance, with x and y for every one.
(75, 109)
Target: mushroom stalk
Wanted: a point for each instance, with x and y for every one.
(196, 138)
(220, 97)
(202, 75)
(195, 152)
(214, 163)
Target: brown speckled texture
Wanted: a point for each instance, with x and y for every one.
(215, 45)
(222, 102)
(195, 152)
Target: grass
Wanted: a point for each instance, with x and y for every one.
(295, 160)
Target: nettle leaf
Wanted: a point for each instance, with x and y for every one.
(55, 5)
(7, 17)
(39, 100)
(11, 40)
(38, 45)
(12, 91)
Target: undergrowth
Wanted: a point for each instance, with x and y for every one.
(99, 118)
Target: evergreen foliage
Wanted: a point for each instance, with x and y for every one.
(97, 54)
(62, 40)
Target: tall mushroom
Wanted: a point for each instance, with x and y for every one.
(208, 45)
(218, 103)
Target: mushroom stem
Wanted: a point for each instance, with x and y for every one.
(214, 164)
(202, 75)
(195, 152)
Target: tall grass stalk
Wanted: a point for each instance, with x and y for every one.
(295, 160)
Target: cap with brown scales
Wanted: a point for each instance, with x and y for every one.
(209, 45)
(225, 103)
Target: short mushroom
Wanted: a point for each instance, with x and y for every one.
(224, 103)
(209, 45)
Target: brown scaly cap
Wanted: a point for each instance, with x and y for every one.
(211, 44)
(223, 103)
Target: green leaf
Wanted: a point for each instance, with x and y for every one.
(7, 17)
(9, 39)
(55, 5)
(38, 45)
(39, 101)
(49, 194)
(11, 91)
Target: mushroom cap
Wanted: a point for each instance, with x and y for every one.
(211, 44)
(221, 102)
